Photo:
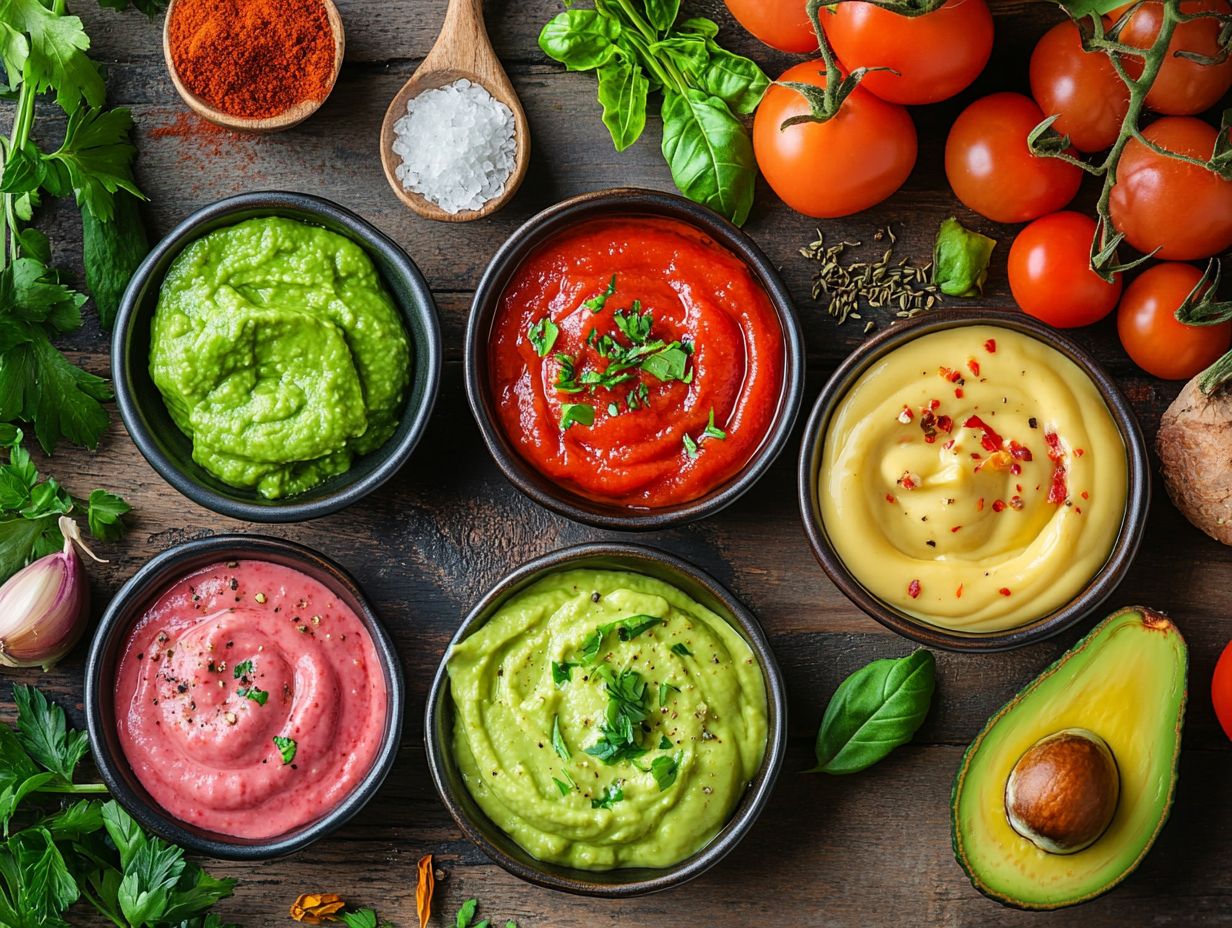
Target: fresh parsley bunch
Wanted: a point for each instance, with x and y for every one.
(30, 508)
(63, 848)
(43, 51)
(637, 46)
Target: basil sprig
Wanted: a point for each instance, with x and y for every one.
(873, 711)
(637, 46)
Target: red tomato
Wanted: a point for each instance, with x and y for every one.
(781, 24)
(1158, 202)
(1080, 87)
(1050, 272)
(993, 171)
(1183, 87)
(1221, 690)
(835, 168)
(935, 55)
(1158, 344)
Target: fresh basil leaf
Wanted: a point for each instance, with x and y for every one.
(623, 91)
(734, 79)
(576, 414)
(709, 153)
(664, 743)
(699, 25)
(960, 259)
(669, 364)
(665, 689)
(662, 13)
(43, 731)
(558, 740)
(581, 40)
(873, 711)
(112, 251)
(689, 53)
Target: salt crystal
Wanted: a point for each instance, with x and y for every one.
(457, 146)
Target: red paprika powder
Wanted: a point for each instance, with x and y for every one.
(252, 58)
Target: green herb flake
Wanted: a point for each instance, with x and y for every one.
(960, 259)
(561, 785)
(542, 336)
(558, 740)
(576, 414)
(713, 431)
(664, 770)
(636, 625)
(612, 794)
(242, 669)
(680, 649)
(690, 446)
(664, 743)
(286, 747)
(562, 671)
(668, 364)
(466, 913)
(665, 690)
(596, 303)
(259, 696)
(625, 712)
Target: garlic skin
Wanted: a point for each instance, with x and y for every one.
(44, 606)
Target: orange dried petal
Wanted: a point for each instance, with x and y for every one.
(314, 908)
(423, 891)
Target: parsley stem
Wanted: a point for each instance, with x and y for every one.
(74, 788)
(98, 905)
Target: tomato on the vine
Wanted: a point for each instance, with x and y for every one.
(1183, 86)
(847, 164)
(1221, 690)
(781, 24)
(1050, 272)
(931, 57)
(1182, 209)
(1080, 88)
(1150, 332)
(993, 171)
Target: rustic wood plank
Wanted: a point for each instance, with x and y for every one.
(862, 850)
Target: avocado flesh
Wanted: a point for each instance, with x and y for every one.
(1125, 681)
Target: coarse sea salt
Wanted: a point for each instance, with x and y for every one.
(457, 146)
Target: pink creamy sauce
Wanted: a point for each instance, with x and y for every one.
(204, 751)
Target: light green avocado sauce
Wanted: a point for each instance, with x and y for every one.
(542, 694)
(279, 352)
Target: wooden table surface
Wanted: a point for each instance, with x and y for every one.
(869, 849)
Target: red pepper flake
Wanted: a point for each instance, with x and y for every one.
(973, 366)
(948, 445)
(1057, 491)
(1015, 468)
(991, 346)
(945, 423)
(906, 415)
(1020, 452)
(928, 424)
(998, 505)
(913, 589)
(1018, 487)
(991, 440)
(958, 592)
(955, 528)
(958, 393)
(1086, 495)
(948, 373)
(979, 504)
(1078, 509)
(933, 404)
(1004, 591)
(1016, 502)
(929, 438)
(975, 455)
(889, 497)
(908, 481)
(1078, 452)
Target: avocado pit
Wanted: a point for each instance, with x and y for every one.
(1063, 792)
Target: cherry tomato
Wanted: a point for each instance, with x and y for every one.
(935, 55)
(1158, 202)
(1050, 272)
(1080, 87)
(1150, 333)
(1221, 690)
(835, 168)
(1183, 87)
(993, 171)
(781, 24)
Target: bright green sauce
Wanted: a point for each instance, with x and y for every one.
(710, 723)
(279, 351)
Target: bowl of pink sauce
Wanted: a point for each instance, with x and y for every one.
(243, 699)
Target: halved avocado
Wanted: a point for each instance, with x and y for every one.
(1126, 683)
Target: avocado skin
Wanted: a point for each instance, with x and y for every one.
(1150, 616)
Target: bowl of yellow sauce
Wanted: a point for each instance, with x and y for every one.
(974, 481)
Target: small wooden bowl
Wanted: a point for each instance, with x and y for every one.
(285, 120)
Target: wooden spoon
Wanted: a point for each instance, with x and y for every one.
(285, 120)
(462, 51)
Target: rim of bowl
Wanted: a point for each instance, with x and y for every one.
(438, 717)
(629, 201)
(130, 603)
(419, 320)
(1102, 583)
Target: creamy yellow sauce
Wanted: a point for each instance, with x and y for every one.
(974, 479)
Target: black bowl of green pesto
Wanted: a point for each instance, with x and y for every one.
(276, 357)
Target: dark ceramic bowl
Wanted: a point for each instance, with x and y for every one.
(1089, 599)
(439, 721)
(559, 218)
(169, 450)
(130, 604)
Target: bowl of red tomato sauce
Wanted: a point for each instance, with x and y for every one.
(633, 360)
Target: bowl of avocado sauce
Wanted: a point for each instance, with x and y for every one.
(276, 357)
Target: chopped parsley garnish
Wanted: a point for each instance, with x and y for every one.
(690, 446)
(713, 431)
(665, 689)
(596, 303)
(576, 414)
(562, 786)
(286, 747)
(242, 669)
(592, 647)
(542, 335)
(562, 671)
(564, 376)
(664, 770)
(558, 740)
(630, 628)
(611, 795)
(680, 649)
(626, 694)
(635, 325)
(260, 697)
(664, 743)
(668, 364)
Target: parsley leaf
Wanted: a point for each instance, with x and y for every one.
(690, 446)
(635, 625)
(286, 747)
(362, 918)
(57, 53)
(562, 671)
(681, 649)
(42, 730)
(612, 794)
(665, 689)
(558, 740)
(103, 515)
(542, 336)
(669, 364)
(713, 431)
(596, 303)
(466, 913)
(561, 785)
(626, 693)
(97, 155)
(259, 696)
(242, 669)
(111, 250)
(664, 743)
(576, 414)
(664, 770)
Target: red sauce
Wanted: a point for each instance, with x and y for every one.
(648, 445)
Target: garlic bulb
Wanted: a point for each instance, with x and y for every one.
(44, 606)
